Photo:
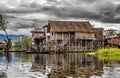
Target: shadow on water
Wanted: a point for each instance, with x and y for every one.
(3, 74)
(8, 57)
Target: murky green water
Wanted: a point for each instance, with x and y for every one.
(69, 65)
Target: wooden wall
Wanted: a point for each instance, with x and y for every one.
(37, 35)
(59, 36)
(80, 35)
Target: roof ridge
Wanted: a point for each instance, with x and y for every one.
(67, 21)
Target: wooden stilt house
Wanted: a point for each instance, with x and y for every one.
(74, 36)
(38, 38)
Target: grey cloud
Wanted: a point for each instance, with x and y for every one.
(30, 5)
(100, 11)
(18, 10)
(104, 11)
(117, 9)
(15, 24)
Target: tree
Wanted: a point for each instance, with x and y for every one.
(3, 28)
(2, 24)
(8, 41)
(25, 43)
(17, 45)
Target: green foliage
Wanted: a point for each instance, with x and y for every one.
(3, 28)
(27, 42)
(17, 45)
(24, 43)
(2, 24)
(109, 54)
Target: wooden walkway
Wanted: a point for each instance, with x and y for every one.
(36, 52)
(32, 52)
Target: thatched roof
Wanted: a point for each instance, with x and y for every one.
(69, 26)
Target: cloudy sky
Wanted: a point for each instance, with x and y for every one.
(24, 15)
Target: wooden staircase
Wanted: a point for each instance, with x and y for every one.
(63, 43)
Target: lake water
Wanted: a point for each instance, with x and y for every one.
(68, 65)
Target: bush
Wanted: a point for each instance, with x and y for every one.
(109, 54)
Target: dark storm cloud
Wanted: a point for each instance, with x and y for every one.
(18, 25)
(70, 13)
(100, 10)
(34, 14)
(19, 10)
(118, 9)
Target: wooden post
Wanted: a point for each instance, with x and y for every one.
(75, 44)
(78, 42)
(81, 59)
(62, 42)
(85, 44)
(56, 41)
(81, 44)
(69, 41)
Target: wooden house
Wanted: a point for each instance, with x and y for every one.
(110, 33)
(112, 38)
(114, 42)
(38, 38)
(74, 36)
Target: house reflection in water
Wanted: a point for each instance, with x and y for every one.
(63, 65)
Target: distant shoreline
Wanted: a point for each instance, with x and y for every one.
(11, 36)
